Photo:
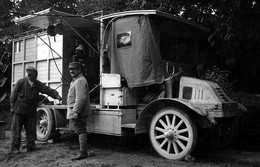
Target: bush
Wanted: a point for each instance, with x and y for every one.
(222, 77)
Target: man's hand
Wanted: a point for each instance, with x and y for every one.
(75, 115)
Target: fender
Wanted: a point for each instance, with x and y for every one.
(147, 113)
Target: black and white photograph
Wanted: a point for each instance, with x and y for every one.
(129, 83)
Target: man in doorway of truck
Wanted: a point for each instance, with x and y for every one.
(78, 107)
(23, 103)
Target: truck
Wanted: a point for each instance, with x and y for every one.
(140, 69)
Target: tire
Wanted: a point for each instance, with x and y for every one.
(172, 133)
(45, 124)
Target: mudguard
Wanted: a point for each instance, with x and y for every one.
(147, 113)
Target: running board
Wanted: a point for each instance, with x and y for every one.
(64, 128)
(130, 126)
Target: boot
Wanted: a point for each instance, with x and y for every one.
(83, 147)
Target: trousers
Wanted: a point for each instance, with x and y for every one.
(78, 125)
(29, 123)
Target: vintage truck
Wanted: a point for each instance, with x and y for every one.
(140, 66)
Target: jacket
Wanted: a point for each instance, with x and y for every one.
(24, 97)
(78, 98)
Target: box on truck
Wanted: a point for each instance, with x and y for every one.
(140, 69)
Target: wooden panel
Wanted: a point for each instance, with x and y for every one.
(105, 122)
(17, 72)
(42, 68)
(56, 44)
(18, 57)
(30, 49)
(44, 51)
(54, 72)
(42, 48)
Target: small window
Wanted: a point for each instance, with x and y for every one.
(18, 46)
(187, 93)
(124, 39)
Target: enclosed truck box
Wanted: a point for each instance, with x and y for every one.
(140, 68)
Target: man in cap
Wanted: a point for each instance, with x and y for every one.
(78, 106)
(23, 103)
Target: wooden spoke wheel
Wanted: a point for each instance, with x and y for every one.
(173, 134)
(45, 124)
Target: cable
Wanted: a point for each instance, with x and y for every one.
(94, 88)
(80, 36)
(49, 46)
(55, 60)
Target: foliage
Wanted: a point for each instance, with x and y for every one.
(5, 18)
(106, 6)
(234, 24)
(25, 7)
(222, 77)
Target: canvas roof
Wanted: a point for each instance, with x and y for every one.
(49, 16)
(152, 12)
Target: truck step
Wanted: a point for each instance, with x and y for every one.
(64, 128)
(131, 125)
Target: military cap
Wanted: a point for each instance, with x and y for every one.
(30, 69)
(76, 65)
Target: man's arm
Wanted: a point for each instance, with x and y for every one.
(49, 91)
(13, 96)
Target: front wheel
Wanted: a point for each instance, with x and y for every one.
(45, 124)
(173, 134)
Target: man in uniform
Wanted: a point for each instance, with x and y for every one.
(78, 106)
(23, 103)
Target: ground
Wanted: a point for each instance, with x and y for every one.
(123, 152)
(137, 152)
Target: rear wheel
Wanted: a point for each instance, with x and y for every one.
(173, 134)
(45, 124)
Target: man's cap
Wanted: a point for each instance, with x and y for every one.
(75, 65)
(30, 69)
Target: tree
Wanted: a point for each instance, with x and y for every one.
(233, 23)
(30, 6)
(107, 6)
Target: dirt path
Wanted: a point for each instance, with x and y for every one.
(116, 152)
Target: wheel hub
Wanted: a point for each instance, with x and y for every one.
(171, 135)
(44, 122)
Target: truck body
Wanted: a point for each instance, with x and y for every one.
(139, 65)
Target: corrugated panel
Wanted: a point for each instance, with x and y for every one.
(42, 68)
(17, 72)
(54, 72)
(30, 49)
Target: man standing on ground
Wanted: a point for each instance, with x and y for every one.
(23, 103)
(78, 106)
